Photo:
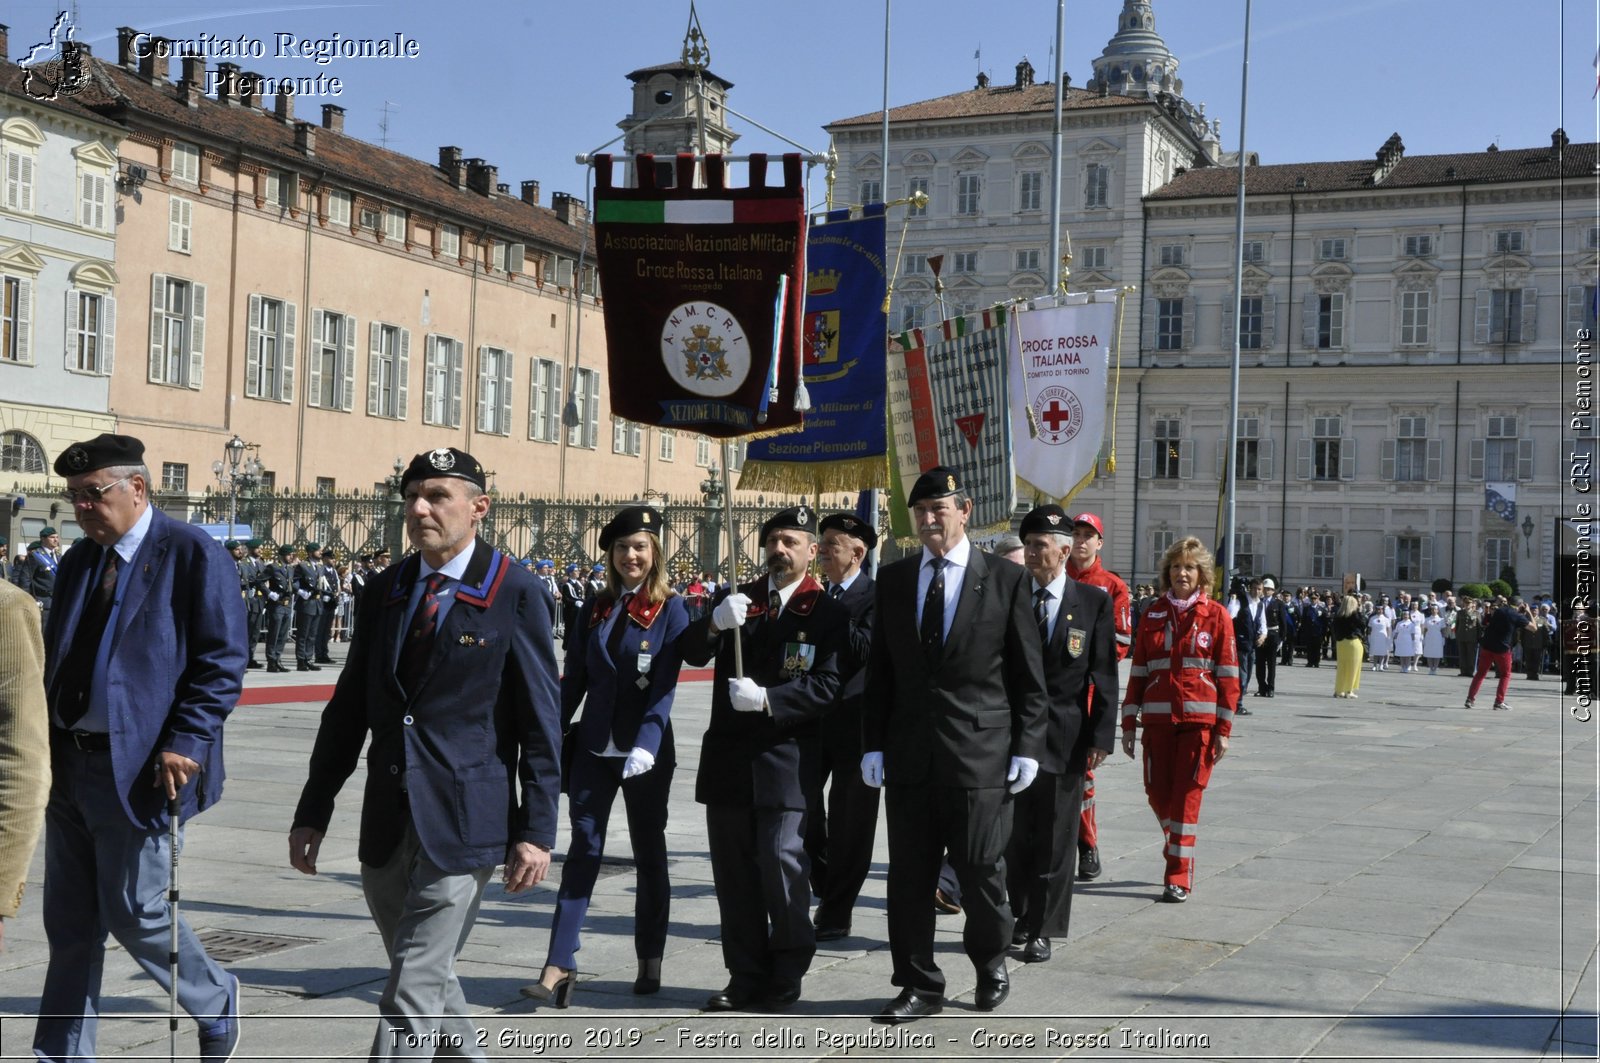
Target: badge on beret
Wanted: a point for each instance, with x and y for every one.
(950, 483)
(1053, 518)
(645, 517)
(442, 459)
(801, 516)
(849, 523)
(76, 458)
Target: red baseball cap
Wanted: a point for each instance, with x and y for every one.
(1092, 521)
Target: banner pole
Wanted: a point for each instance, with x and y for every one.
(733, 549)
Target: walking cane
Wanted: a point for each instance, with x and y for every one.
(172, 952)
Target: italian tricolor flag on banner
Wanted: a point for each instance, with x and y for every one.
(690, 212)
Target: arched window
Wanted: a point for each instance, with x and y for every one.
(20, 452)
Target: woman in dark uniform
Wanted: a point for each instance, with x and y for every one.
(625, 675)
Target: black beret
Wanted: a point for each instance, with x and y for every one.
(626, 522)
(937, 482)
(1046, 518)
(104, 451)
(850, 524)
(327, 551)
(445, 461)
(798, 518)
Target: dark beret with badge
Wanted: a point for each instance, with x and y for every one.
(1049, 518)
(627, 522)
(104, 451)
(937, 482)
(313, 549)
(46, 532)
(232, 544)
(445, 461)
(795, 518)
(286, 550)
(849, 524)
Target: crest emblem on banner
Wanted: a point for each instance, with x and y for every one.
(1059, 415)
(704, 345)
(822, 337)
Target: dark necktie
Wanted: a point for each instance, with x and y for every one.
(418, 646)
(1041, 612)
(774, 604)
(933, 613)
(77, 669)
(619, 625)
(836, 591)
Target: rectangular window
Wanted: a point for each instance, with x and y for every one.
(441, 382)
(544, 413)
(1330, 321)
(177, 331)
(1028, 259)
(1505, 315)
(624, 437)
(325, 486)
(1496, 557)
(1508, 242)
(331, 364)
(1244, 552)
(586, 395)
(1247, 449)
(1408, 558)
(394, 223)
(279, 191)
(1095, 257)
(19, 181)
(969, 194)
(1416, 318)
(1255, 251)
(915, 264)
(702, 452)
(339, 207)
(1097, 185)
(180, 225)
(270, 349)
(871, 192)
(1161, 541)
(16, 316)
(668, 445)
(1252, 322)
(911, 316)
(494, 391)
(388, 370)
(1030, 190)
(92, 188)
(965, 262)
(1168, 455)
(1419, 245)
(175, 477)
(90, 339)
(1324, 557)
(1326, 446)
(368, 219)
(1172, 254)
(1169, 324)
(1591, 238)
(913, 186)
(186, 162)
(450, 240)
(1331, 249)
(1411, 449)
(1500, 449)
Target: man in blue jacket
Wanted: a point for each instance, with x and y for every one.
(145, 659)
(452, 671)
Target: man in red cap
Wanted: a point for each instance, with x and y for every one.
(1083, 565)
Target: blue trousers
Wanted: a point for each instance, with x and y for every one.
(593, 788)
(104, 875)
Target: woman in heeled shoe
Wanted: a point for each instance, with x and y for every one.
(624, 672)
(1348, 626)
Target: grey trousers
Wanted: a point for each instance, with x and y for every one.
(424, 916)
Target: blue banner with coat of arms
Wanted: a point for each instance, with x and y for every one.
(1501, 500)
(844, 445)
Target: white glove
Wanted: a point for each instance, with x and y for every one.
(730, 612)
(273, 596)
(746, 695)
(872, 769)
(639, 761)
(305, 596)
(1021, 774)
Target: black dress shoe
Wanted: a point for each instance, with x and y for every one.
(909, 1007)
(832, 933)
(252, 664)
(993, 988)
(780, 996)
(1242, 711)
(324, 660)
(649, 980)
(274, 666)
(305, 666)
(732, 998)
(1089, 863)
(1019, 936)
(1037, 950)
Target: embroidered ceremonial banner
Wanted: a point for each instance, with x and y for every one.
(1501, 500)
(1064, 353)
(954, 399)
(702, 300)
(844, 445)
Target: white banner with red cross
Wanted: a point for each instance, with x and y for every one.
(1058, 397)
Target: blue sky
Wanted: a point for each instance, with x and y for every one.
(528, 84)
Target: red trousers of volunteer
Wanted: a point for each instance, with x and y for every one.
(1088, 837)
(1177, 766)
(1501, 663)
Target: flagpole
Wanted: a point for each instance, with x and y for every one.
(885, 178)
(1231, 471)
(1055, 199)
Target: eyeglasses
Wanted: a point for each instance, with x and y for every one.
(91, 494)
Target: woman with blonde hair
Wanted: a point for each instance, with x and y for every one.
(1184, 690)
(624, 669)
(1348, 624)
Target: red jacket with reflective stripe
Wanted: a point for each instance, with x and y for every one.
(1097, 575)
(1185, 667)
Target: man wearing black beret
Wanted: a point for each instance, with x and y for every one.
(840, 836)
(954, 723)
(750, 760)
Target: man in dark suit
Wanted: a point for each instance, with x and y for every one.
(256, 605)
(839, 837)
(954, 723)
(750, 760)
(452, 672)
(145, 660)
(308, 591)
(275, 586)
(328, 595)
(574, 595)
(1242, 609)
(246, 565)
(39, 572)
(1078, 633)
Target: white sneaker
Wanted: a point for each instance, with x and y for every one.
(1351, 695)
(1502, 706)
(1468, 705)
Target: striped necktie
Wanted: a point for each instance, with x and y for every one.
(418, 646)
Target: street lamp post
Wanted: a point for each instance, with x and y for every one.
(233, 471)
(1527, 534)
(711, 491)
(397, 507)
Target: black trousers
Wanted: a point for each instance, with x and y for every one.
(974, 826)
(254, 619)
(758, 865)
(1042, 857)
(1469, 656)
(1267, 665)
(841, 825)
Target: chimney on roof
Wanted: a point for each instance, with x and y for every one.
(1492, 147)
(192, 85)
(452, 167)
(333, 118)
(153, 63)
(983, 80)
(284, 108)
(228, 84)
(530, 193)
(1066, 80)
(305, 138)
(569, 209)
(1024, 73)
(1389, 157)
(502, 189)
(481, 177)
(250, 89)
(1558, 140)
(125, 56)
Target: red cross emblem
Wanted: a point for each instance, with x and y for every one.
(1055, 415)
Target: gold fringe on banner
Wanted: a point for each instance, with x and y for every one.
(815, 478)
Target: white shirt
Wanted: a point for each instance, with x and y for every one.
(455, 568)
(955, 570)
(1052, 604)
(784, 594)
(844, 584)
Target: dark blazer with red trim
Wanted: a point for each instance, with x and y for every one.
(615, 706)
(752, 759)
(475, 750)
